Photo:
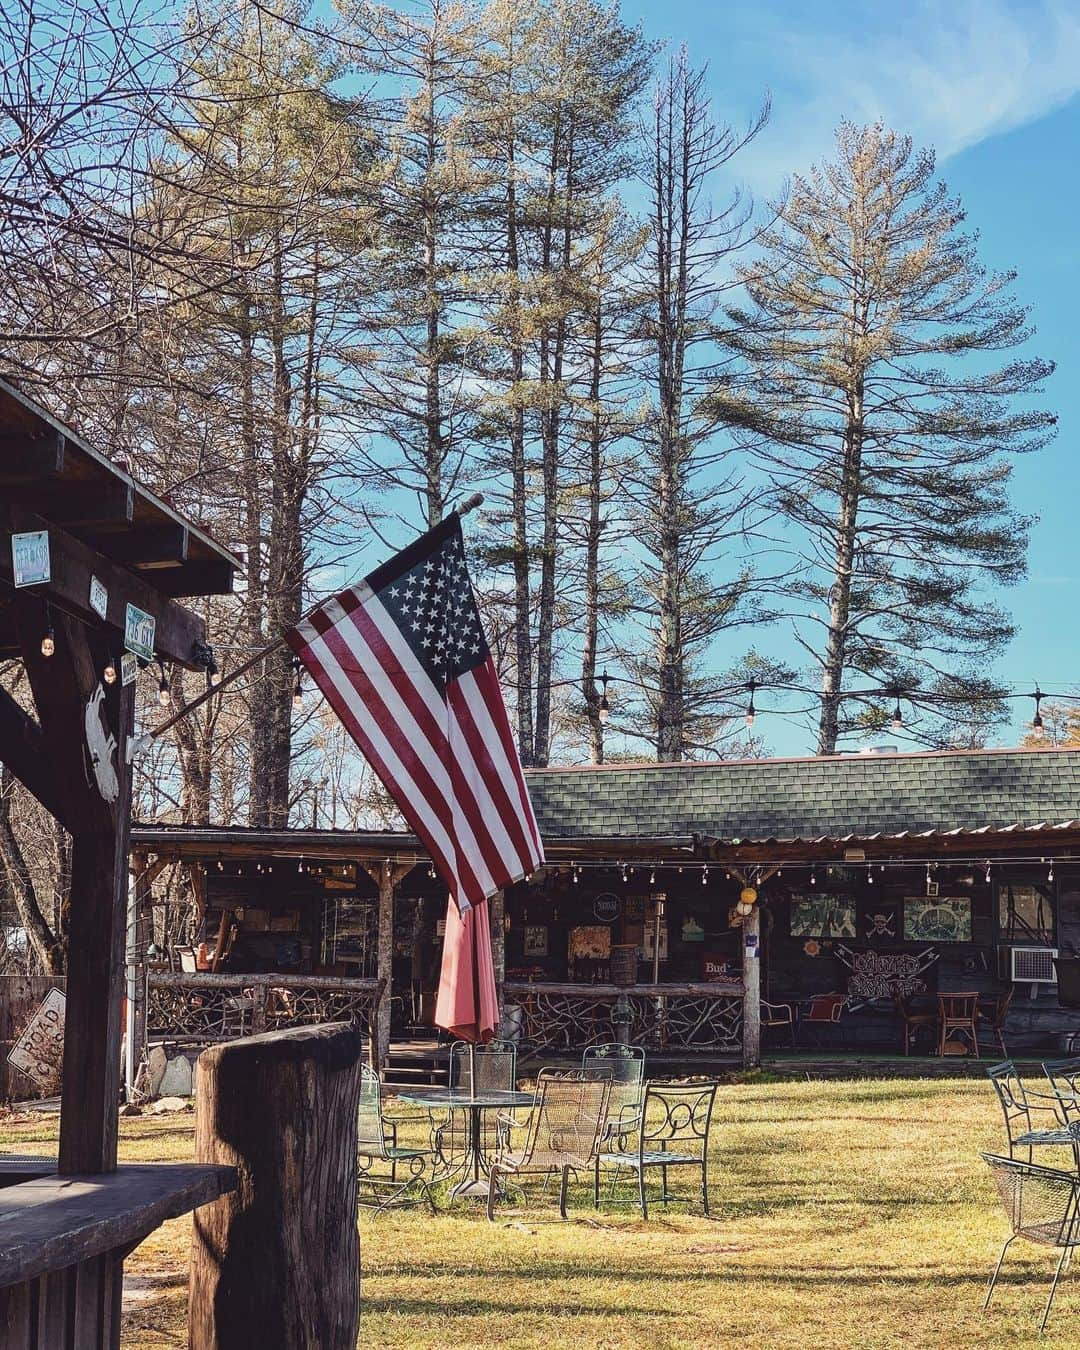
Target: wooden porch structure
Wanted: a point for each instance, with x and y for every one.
(104, 545)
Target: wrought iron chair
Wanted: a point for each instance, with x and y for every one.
(496, 1071)
(1063, 1075)
(625, 1065)
(377, 1143)
(958, 1011)
(675, 1123)
(561, 1135)
(994, 1016)
(1017, 1107)
(779, 1015)
(1043, 1205)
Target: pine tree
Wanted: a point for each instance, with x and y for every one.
(688, 496)
(885, 434)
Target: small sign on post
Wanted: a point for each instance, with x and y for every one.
(30, 558)
(139, 629)
(39, 1051)
(129, 668)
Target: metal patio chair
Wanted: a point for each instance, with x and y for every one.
(561, 1135)
(821, 1010)
(676, 1120)
(625, 1064)
(779, 1015)
(1043, 1206)
(1018, 1104)
(1063, 1075)
(377, 1143)
(496, 1071)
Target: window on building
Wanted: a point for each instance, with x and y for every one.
(1026, 913)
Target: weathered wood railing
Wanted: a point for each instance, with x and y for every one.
(668, 1016)
(203, 1007)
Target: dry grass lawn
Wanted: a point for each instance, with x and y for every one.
(847, 1214)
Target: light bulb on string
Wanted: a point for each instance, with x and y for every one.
(109, 673)
(869, 877)
(898, 715)
(813, 878)
(625, 873)
(704, 876)
(652, 877)
(751, 711)
(298, 690)
(48, 641)
(604, 711)
(988, 874)
(163, 688)
(1050, 874)
(1037, 721)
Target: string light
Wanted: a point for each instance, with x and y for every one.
(1050, 874)
(625, 873)
(48, 640)
(652, 877)
(220, 864)
(298, 691)
(813, 879)
(751, 711)
(604, 711)
(988, 874)
(705, 876)
(898, 716)
(1036, 721)
(109, 673)
(163, 688)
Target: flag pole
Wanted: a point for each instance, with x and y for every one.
(140, 744)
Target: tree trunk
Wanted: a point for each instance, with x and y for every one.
(277, 1263)
(593, 529)
(840, 593)
(47, 946)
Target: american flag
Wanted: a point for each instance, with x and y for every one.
(403, 661)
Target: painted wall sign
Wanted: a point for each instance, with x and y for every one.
(129, 668)
(139, 629)
(30, 558)
(99, 597)
(606, 907)
(39, 1051)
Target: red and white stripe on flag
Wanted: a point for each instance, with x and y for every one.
(402, 660)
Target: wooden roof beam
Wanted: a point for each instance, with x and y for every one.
(74, 563)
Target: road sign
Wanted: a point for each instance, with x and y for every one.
(39, 1051)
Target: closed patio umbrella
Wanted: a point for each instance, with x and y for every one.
(467, 1005)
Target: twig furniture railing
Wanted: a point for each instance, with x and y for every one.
(664, 1016)
(204, 1007)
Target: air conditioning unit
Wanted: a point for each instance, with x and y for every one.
(1032, 965)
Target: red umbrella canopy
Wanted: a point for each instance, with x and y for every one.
(467, 1005)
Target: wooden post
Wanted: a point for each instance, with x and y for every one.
(498, 943)
(277, 1262)
(386, 876)
(751, 973)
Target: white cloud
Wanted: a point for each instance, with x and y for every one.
(949, 73)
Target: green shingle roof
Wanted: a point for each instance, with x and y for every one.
(837, 796)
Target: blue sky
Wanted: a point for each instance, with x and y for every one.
(992, 86)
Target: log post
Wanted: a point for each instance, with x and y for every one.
(386, 876)
(276, 1264)
(498, 943)
(751, 974)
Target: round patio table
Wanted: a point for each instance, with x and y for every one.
(474, 1166)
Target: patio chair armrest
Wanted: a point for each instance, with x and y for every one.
(511, 1122)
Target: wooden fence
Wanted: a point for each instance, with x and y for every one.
(19, 996)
